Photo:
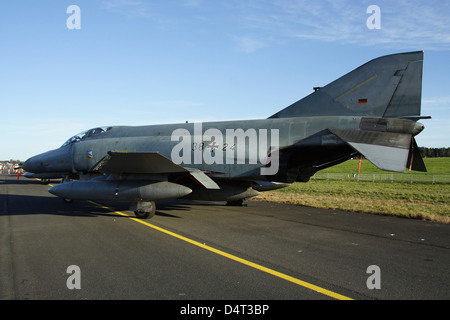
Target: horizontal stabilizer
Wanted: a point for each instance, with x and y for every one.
(387, 150)
(385, 158)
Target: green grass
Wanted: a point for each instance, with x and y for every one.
(434, 166)
(417, 200)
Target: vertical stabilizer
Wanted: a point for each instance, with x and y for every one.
(389, 86)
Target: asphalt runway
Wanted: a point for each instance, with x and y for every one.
(201, 251)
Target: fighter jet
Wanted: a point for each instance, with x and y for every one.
(372, 111)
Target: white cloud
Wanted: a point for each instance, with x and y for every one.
(121, 3)
(135, 8)
(410, 24)
(249, 44)
(192, 3)
(437, 101)
(437, 131)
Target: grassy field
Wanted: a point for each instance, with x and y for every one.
(434, 166)
(417, 200)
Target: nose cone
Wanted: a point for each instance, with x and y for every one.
(58, 160)
(33, 165)
(27, 166)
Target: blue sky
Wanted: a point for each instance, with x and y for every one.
(137, 62)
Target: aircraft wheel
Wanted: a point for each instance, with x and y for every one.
(236, 203)
(67, 200)
(145, 210)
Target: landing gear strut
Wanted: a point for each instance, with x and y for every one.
(143, 210)
(63, 180)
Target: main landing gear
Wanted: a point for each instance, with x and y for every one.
(143, 210)
(236, 203)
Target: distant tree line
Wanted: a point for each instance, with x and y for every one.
(434, 152)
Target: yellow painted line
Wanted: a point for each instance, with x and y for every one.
(354, 88)
(232, 257)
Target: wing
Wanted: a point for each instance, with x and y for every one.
(122, 162)
(136, 162)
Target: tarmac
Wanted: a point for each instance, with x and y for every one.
(193, 250)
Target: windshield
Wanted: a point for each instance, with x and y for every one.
(86, 134)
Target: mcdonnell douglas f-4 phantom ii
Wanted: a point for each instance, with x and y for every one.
(371, 111)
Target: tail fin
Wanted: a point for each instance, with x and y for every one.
(389, 86)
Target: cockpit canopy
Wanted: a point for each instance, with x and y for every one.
(86, 134)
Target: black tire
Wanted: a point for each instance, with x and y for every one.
(146, 213)
(236, 203)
